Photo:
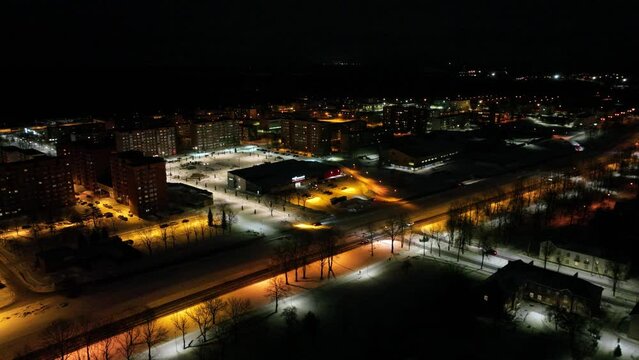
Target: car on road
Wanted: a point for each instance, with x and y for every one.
(327, 192)
(123, 218)
(185, 220)
(490, 251)
(162, 226)
(97, 202)
(344, 188)
(317, 224)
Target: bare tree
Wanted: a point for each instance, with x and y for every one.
(57, 335)
(202, 227)
(328, 250)
(215, 307)
(107, 348)
(434, 233)
(187, 232)
(127, 343)
(484, 241)
(368, 237)
(181, 322)
(276, 290)
(85, 325)
(172, 230)
(560, 259)
(393, 228)
(452, 223)
(403, 224)
(202, 318)
(271, 206)
(231, 218)
(236, 310)
(466, 232)
(410, 234)
(282, 259)
(617, 272)
(152, 334)
(546, 249)
(36, 235)
(165, 238)
(147, 239)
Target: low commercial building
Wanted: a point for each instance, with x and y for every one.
(140, 182)
(34, 184)
(416, 153)
(504, 290)
(279, 176)
(583, 258)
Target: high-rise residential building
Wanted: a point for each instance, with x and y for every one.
(90, 163)
(34, 184)
(90, 131)
(405, 119)
(212, 135)
(309, 136)
(139, 181)
(151, 142)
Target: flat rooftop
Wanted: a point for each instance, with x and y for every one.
(281, 172)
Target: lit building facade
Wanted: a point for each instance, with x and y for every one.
(151, 142)
(309, 136)
(90, 163)
(38, 186)
(213, 135)
(405, 119)
(140, 182)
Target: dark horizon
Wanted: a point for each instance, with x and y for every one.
(76, 58)
(40, 95)
(524, 36)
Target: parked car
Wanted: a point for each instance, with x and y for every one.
(123, 218)
(327, 192)
(108, 215)
(338, 199)
(162, 226)
(185, 220)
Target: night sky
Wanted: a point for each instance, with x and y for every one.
(529, 34)
(77, 57)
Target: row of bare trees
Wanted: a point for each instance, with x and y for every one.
(202, 231)
(215, 319)
(63, 335)
(294, 253)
